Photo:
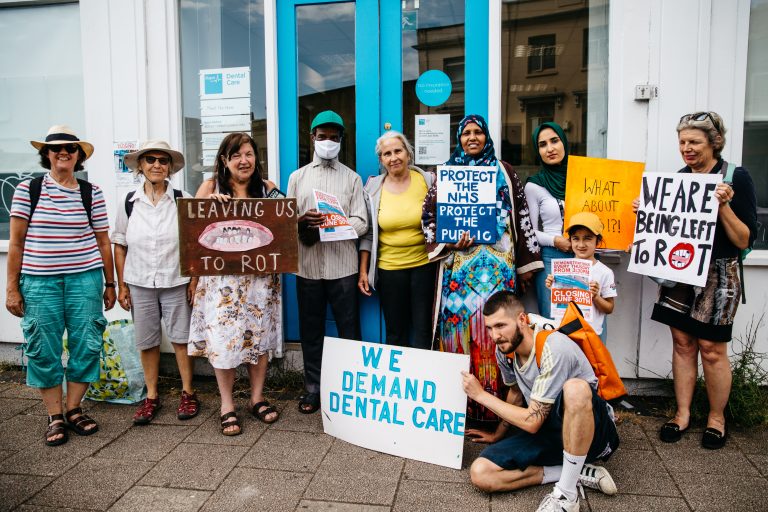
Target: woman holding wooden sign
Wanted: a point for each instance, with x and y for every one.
(701, 319)
(392, 254)
(545, 193)
(469, 273)
(236, 318)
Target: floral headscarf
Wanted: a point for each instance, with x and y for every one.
(486, 157)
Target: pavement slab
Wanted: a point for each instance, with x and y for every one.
(195, 466)
(439, 497)
(16, 489)
(356, 475)
(640, 472)
(94, 482)
(40, 459)
(148, 442)
(20, 431)
(154, 499)
(292, 419)
(288, 451)
(524, 500)
(209, 432)
(415, 470)
(760, 462)
(10, 407)
(726, 491)
(752, 441)
(687, 455)
(335, 506)
(16, 390)
(247, 489)
(634, 502)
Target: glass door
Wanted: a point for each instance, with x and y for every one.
(363, 59)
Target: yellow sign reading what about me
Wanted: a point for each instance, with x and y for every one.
(607, 189)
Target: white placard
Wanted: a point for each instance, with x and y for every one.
(466, 201)
(225, 83)
(225, 107)
(239, 123)
(213, 140)
(403, 401)
(433, 139)
(675, 226)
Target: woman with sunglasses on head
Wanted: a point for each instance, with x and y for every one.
(60, 275)
(146, 245)
(701, 319)
(470, 272)
(236, 318)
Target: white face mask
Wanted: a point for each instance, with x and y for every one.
(327, 149)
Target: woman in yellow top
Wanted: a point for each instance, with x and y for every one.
(393, 256)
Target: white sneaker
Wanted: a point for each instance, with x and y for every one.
(597, 477)
(557, 502)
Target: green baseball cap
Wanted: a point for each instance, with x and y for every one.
(327, 117)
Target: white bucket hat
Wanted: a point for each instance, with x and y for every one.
(177, 159)
(62, 134)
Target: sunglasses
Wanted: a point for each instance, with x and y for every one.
(69, 148)
(702, 116)
(164, 160)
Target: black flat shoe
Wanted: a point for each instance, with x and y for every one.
(713, 439)
(671, 432)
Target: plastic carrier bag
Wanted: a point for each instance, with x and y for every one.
(121, 377)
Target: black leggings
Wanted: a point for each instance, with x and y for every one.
(406, 299)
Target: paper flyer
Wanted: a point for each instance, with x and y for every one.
(336, 225)
(571, 283)
(124, 177)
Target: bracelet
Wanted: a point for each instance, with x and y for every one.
(109, 285)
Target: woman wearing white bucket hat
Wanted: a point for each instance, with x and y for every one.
(146, 245)
(58, 250)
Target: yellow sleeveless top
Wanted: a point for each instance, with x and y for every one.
(401, 240)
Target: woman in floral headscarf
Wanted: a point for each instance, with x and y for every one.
(470, 272)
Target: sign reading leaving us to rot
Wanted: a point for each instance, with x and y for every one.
(241, 236)
(607, 189)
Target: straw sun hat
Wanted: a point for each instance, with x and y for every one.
(62, 134)
(177, 159)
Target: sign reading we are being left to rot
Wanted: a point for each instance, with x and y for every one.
(241, 236)
(607, 189)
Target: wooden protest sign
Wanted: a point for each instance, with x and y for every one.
(398, 400)
(675, 226)
(466, 201)
(607, 189)
(241, 236)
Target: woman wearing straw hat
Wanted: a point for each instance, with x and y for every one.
(146, 244)
(58, 250)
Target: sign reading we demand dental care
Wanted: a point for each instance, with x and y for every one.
(398, 400)
(466, 201)
(675, 226)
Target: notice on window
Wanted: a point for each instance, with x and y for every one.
(433, 139)
(124, 177)
(225, 107)
(336, 225)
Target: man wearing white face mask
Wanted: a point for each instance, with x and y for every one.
(327, 270)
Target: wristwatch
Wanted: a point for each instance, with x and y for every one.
(109, 285)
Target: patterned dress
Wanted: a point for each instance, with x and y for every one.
(235, 319)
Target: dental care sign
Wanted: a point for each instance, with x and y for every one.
(216, 84)
(466, 201)
(241, 236)
(398, 400)
(675, 226)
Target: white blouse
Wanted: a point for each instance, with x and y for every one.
(152, 238)
(546, 213)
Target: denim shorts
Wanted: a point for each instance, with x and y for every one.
(51, 305)
(545, 447)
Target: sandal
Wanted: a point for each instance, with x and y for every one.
(79, 424)
(671, 432)
(713, 439)
(309, 403)
(227, 421)
(188, 407)
(56, 426)
(262, 414)
(147, 411)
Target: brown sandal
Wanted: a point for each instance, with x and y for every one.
(227, 421)
(79, 423)
(262, 414)
(56, 426)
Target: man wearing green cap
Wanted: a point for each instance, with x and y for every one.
(327, 270)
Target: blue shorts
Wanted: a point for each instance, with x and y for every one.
(545, 448)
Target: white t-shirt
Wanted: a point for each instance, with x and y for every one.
(546, 215)
(604, 277)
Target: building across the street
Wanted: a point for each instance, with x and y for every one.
(616, 75)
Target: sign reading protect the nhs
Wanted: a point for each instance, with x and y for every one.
(466, 202)
(398, 400)
(225, 83)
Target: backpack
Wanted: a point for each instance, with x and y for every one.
(86, 195)
(728, 170)
(573, 325)
(129, 200)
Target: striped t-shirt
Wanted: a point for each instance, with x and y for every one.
(59, 239)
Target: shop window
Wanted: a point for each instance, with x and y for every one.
(541, 53)
(755, 153)
(454, 68)
(36, 89)
(554, 68)
(223, 35)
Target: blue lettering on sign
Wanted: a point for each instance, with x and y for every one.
(433, 88)
(371, 356)
(213, 83)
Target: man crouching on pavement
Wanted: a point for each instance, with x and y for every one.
(564, 424)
